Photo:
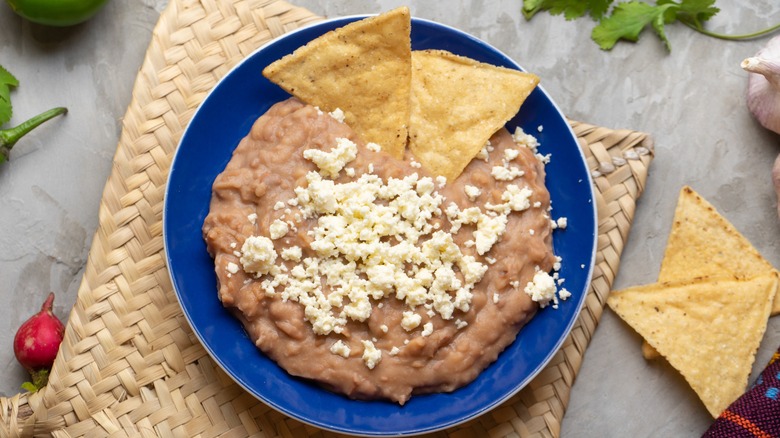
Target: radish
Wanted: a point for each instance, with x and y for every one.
(36, 344)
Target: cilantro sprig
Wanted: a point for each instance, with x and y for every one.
(627, 20)
(7, 81)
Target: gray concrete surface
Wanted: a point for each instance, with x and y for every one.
(691, 100)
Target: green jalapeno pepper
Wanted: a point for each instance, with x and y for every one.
(9, 137)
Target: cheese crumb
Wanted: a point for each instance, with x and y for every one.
(506, 173)
(542, 288)
(373, 147)
(472, 192)
(331, 163)
(410, 321)
(340, 348)
(232, 268)
(427, 329)
(293, 253)
(371, 355)
(523, 139)
(278, 229)
(258, 255)
(337, 114)
(511, 154)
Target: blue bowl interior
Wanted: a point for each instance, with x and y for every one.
(227, 115)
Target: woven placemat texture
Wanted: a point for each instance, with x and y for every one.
(131, 366)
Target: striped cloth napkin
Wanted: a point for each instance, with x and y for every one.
(757, 412)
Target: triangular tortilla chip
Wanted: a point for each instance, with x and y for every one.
(457, 105)
(703, 243)
(364, 69)
(709, 329)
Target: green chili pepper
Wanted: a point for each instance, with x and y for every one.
(9, 137)
(56, 12)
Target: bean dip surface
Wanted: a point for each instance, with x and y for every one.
(337, 315)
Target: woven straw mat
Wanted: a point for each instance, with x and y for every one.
(131, 366)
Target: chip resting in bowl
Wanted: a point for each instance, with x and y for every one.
(358, 267)
(362, 69)
(457, 104)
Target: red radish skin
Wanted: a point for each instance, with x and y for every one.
(38, 339)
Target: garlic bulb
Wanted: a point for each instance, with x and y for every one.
(763, 96)
(776, 181)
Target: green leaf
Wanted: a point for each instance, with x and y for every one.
(7, 81)
(599, 8)
(531, 7)
(628, 20)
(694, 12)
(570, 9)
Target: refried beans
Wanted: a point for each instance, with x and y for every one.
(400, 347)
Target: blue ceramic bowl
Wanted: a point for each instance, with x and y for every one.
(226, 116)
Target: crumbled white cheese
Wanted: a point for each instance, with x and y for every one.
(340, 348)
(258, 255)
(252, 218)
(373, 147)
(523, 139)
(489, 230)
(278, 229)
(542, 288)
(331, 163)
(472, 192)
(377, 239)
(427, 329)
(337, 114)
(506, 173)
(371, 355)
(517, 199)
(511, 154)
(410, 321)
(293, 253)
(232, 268)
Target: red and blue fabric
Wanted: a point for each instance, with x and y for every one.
(757, 412)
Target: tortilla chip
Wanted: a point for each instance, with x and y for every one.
(703, 243)
(708, 329)
(457, 105)
(364, 69)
